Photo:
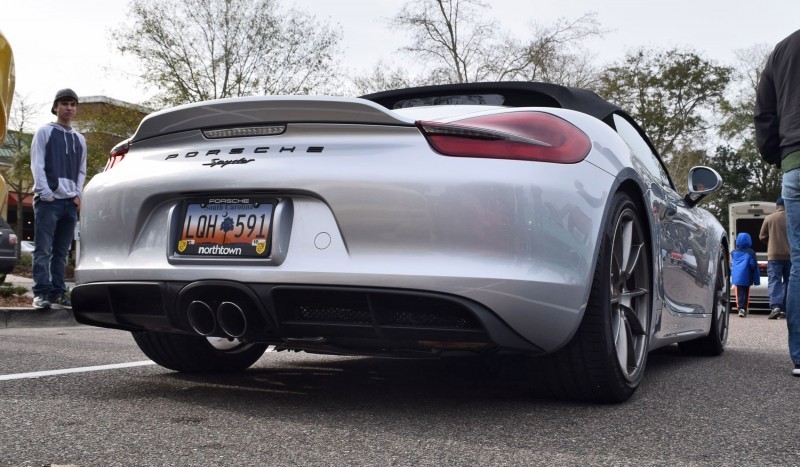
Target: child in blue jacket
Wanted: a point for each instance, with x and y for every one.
(744, 271)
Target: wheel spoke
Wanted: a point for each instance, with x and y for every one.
(633, 321)
(631, 341)
(622, 250)
(621, 342)
(633, 259)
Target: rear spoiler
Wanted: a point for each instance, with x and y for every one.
(243, 111)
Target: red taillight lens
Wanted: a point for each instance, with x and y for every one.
(531, 136)
(117, 154)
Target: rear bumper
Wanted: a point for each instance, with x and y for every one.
(351, 320)
(759, 295)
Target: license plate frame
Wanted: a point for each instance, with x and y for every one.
(235, 227)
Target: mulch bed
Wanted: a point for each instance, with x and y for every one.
(16, 301)
(24, 300)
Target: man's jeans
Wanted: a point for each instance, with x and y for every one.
(778, 275)
(791, 197)
(54, 227)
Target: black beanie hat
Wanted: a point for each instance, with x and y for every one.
(65, 94)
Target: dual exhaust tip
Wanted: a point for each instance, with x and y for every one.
(229, 317)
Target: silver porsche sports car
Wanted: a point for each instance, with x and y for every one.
(480, 218)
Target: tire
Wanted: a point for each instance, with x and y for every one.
(196, 354)
(714, 343)
(605, 360)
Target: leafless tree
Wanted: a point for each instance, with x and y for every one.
(460, 44)
(553, 53)
(18, 175)
(193, 50)
(448, 35)
(382, 77)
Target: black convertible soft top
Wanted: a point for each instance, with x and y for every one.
(514, 94)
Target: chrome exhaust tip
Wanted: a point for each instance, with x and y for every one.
(201, 318)
(232, 319)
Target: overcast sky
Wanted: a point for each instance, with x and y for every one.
(68, 44)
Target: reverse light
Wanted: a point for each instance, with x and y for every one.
(245, 131)
(117, 154)
(531, 136)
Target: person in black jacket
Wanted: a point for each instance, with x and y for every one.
(777, 125)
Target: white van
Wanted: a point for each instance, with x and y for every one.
(748, 216)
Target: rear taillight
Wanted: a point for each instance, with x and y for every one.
(12, 239)
(532, 136)
(117, 154)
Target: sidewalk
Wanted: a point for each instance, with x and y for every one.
(30, 317)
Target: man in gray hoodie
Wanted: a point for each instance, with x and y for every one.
(58, 163)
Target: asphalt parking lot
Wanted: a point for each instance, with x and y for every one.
(97, 401)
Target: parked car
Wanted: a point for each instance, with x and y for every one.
(480, 218)
(26, 247)
(747, 216)
(689, 262)
(675, 257)
(9, 249)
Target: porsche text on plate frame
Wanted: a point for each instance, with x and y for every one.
(469, 219)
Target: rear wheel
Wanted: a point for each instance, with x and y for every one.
(714, 343)
(195, 354)
(605, 360)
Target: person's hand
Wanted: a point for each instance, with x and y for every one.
(77, 201)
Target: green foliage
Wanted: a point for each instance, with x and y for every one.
(103, 126)
(738, 168)
(25, 262)
(747, 177)
(7, 289)
(667, 92)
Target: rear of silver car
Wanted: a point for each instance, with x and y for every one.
(344, 231)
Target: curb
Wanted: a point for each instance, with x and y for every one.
(30, 317)
(33, 318)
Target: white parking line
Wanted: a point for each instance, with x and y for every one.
(39, 374)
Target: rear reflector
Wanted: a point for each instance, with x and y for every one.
(532, 136)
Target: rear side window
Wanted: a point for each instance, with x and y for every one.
(4, 224)
(640, 147)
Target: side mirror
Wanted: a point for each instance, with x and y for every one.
(702, 182)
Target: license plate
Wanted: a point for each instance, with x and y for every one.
(226, 227)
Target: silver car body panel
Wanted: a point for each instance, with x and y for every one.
(372, 205)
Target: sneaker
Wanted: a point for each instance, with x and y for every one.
(41, 303)
(783, 315)
(796, 370)
(742, 313)
(61, 301)
(776, 313)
